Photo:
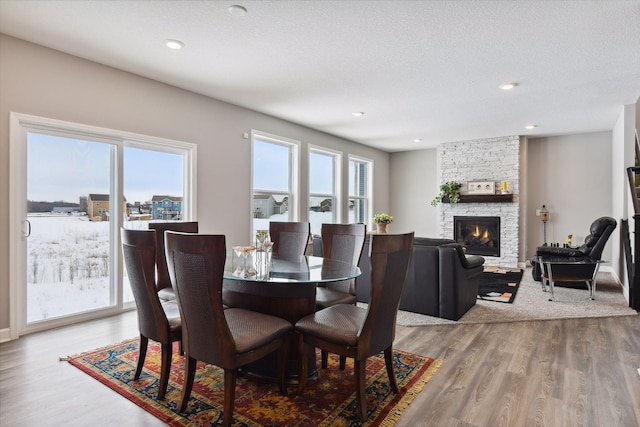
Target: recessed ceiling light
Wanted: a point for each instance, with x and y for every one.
(417, 140)
(237, 10)
(508, 86)
(174, 44)
(531, 126)
(358, 113)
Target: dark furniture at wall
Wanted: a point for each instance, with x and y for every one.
(356, 332)
(443, 281)
(226, 338)
(163, 283)
(592, 248)
(157, 320)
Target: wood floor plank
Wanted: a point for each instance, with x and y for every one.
(574, 372)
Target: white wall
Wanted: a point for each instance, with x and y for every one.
(623, 156)
(414, 183)
(43, 82)
(571, 175)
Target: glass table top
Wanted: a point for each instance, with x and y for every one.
(260, 267)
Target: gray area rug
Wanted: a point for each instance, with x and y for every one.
(531, 303)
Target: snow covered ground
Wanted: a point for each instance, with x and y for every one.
(68, 263)
(68, 266)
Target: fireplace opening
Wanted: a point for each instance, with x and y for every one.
(479, 234)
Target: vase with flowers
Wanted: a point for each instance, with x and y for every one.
(381, 221)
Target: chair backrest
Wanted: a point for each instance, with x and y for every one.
(139, 250)
(344, 242)
(196, 267)
(600, 231)
(289, 238)
(390, 256)
(162, 278)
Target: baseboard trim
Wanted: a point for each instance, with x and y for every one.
(5, 335)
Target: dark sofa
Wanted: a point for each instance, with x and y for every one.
(442, 282)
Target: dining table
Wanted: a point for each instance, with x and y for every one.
(284, 287)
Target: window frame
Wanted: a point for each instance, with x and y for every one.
(368, 197)
(336, 194)
(20, 126)
(294, 174)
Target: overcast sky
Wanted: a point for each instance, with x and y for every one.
(63, 169)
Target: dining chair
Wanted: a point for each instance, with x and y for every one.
(163, 282)
(228, 338)
(356, 332)
(157, 320)
(342, 242)
(289, 238)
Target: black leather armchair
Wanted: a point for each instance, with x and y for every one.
(442, 280)
(593, 246)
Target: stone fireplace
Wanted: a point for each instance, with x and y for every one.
(480, 235)
(486, 160)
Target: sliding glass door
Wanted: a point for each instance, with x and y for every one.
(74, 187)
(69, 205)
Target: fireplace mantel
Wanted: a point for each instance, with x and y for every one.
(484, 198)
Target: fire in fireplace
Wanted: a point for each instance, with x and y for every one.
(479, 234)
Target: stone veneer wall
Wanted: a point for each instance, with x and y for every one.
(493, 159)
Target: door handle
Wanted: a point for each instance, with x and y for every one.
(27, 230)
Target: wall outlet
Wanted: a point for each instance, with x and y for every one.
(537, 212)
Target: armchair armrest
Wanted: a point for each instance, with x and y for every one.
(467, 261)
(561, 252)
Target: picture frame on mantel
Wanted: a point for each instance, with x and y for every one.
(481, 187)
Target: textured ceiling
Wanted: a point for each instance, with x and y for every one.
(418, 69)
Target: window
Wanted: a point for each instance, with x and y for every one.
(359, 190)
(75, 186)
(323, 185)
(275, 180)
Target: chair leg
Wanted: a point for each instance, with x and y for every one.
(142, 353)
(229, 396)
(165, 368)
(303, 369)
(189, 374)
(388, 360)
(283, 355)
(359, 367)
(325, 358)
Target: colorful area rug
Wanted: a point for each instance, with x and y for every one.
(499, 284)
(329, 401)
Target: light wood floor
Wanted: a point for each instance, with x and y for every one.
(540, 373)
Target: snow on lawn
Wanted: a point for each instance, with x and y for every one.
(68, 263)
(68, 266)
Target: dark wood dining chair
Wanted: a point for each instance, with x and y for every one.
(163, 282)
(228, 338)
(342, 242)
(157, 320)
(289, 238)
(356, 332)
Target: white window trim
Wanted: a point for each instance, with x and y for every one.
(294, 178)
(368, 221)
(20, 125)
(337, 179)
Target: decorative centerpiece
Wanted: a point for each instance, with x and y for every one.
(449, 189)
(382, 220)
